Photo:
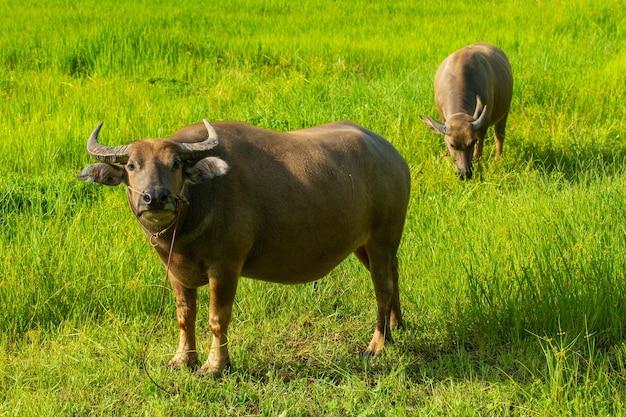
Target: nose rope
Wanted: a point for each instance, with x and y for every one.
(180, 202)
(135, 191)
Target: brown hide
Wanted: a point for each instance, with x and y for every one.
(472, 80)
(281, 207)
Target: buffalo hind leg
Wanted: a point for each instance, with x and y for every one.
(220, 312)
(395, 318)
(499, 133)
(186, 314)
(396, 312)
(382, 263)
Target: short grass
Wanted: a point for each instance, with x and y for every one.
(513, 283)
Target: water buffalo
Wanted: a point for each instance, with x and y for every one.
(473, 90)
(282, 207)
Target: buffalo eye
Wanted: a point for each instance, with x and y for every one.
(131, 166)
(176, 165)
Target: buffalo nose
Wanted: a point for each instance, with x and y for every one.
(156, 197)
(465, 175)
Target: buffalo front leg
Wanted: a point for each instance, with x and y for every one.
(186, 316)
(220, 312)
(480, 141)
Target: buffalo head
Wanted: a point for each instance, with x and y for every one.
(461, 134)
(155, 171)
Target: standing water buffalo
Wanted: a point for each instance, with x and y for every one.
(281, 207)
(473, 90)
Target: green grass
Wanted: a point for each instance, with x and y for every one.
(512, 284)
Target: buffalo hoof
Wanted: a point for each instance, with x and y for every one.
(188, 360)
(370, 356)
(376, 345)
(208, 371)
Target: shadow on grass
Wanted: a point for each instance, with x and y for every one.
(574, 163)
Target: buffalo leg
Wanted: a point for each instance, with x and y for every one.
(396, 312)
(220, 312)
(381, 261)
(499, 132)
(186, 315)
(480, 141)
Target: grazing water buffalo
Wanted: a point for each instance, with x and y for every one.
(473, 90)
(281, 207)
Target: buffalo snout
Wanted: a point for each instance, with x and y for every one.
(463, 162)
(156, 197)
(465, 175)
(465, 171)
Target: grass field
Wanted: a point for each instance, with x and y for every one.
(513, 284)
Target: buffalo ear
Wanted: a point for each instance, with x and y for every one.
(434, 125)
(103, 174)
(205, 169)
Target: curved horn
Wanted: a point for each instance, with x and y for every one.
(480, 115)
(108, 154)
(479, 108)
(200, 150)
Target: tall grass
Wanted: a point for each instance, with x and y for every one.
(512, 283)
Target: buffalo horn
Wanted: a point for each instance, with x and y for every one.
(108, 154)
(479, 118)
(199, 150)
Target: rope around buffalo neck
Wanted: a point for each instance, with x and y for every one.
(179, 208)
